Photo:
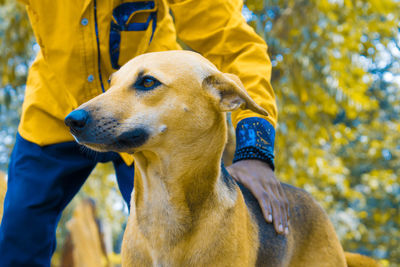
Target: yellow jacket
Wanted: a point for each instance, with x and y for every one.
(82, 42)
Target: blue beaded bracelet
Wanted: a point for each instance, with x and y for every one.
(255, 140)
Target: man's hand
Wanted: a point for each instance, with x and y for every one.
(260, 179)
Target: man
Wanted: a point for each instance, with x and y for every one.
(82, 43)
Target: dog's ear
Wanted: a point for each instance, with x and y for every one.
(230, 93)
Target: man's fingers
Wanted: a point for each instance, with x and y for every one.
(261, 181)
(281, 205)
(284, 201)
(263, 200)
(266, 208)
(273, 206)
(284, 216)
(284, 209)
(277, 216)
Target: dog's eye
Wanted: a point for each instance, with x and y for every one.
(146, 83)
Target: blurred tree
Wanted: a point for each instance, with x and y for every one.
(336, 74)
(16, 46)
(16, 41)
(87, 237)
(112, 212)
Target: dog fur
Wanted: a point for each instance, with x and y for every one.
(186, 210)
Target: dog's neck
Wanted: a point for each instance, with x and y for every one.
(175, 188)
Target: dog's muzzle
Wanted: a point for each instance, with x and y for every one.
(89, 131)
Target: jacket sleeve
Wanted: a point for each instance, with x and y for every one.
(218, 30)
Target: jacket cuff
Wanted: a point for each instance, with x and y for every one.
(255, 139)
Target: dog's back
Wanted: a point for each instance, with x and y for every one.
(311, 240)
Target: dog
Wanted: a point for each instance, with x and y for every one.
(168, 109)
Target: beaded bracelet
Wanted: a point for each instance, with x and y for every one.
(254, 153)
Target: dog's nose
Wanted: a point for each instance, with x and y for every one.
(77, 120)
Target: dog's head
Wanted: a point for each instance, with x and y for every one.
(158, 99)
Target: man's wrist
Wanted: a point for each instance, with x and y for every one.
(255, 139)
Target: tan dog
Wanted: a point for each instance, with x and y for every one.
(168, 109)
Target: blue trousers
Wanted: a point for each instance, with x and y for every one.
(41, 182)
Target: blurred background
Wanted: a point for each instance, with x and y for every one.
(336, 75)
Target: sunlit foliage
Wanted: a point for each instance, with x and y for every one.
(336, 77)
